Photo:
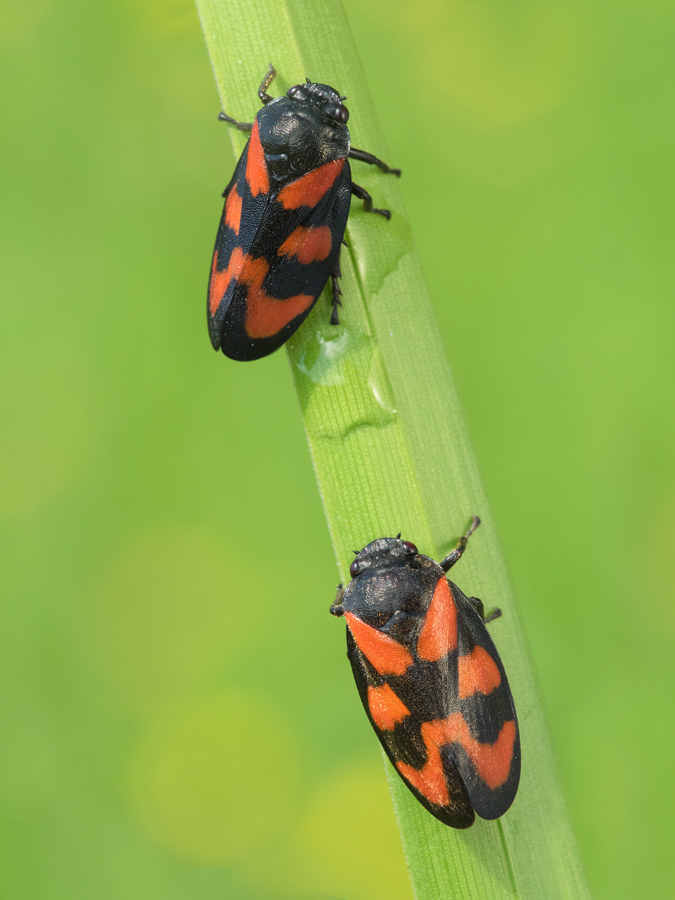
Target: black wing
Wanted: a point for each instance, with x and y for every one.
(487, 753)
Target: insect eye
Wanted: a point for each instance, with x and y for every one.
(354, 568)
(337, 112)
(410, 548)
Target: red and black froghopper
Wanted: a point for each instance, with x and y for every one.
(431, 680)
(285, 214)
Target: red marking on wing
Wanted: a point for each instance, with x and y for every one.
(430, 779)
(220, 281)
(256, 167)
(310, 188)
(308, 244)
(265, 315)
(385, 707)
(233, 210)
(477, 672)
(492, 761)
(386, 655)
(439, 632)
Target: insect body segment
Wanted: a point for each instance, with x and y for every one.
(285, 214)
(431, 681)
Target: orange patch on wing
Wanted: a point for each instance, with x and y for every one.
(233, 210)
(492, 761)
(256, 167)
(477, 673)
(439, 633)
(265, 315)
(386, 655)
(308, 244)
(310, 188)
(385, 707)
(220, 281)
(430, 779)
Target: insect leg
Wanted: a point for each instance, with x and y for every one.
(366, 157)
(480, 609)
(242, 126)
(363, 194)
(336, 609)
(337, 293)
(456, 554)
(264, 98)
(266, 82)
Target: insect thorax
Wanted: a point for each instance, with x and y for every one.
(303, 133)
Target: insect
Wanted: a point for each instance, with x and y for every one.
(284, 219)
(431, 680)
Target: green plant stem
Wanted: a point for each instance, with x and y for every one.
(390, 446)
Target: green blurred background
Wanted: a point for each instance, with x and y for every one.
(178, 718)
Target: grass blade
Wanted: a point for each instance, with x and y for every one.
(390, 446)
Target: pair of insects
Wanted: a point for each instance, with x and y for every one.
(428, 674)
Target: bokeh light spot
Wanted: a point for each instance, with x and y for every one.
(211, 781)
(346, 844)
